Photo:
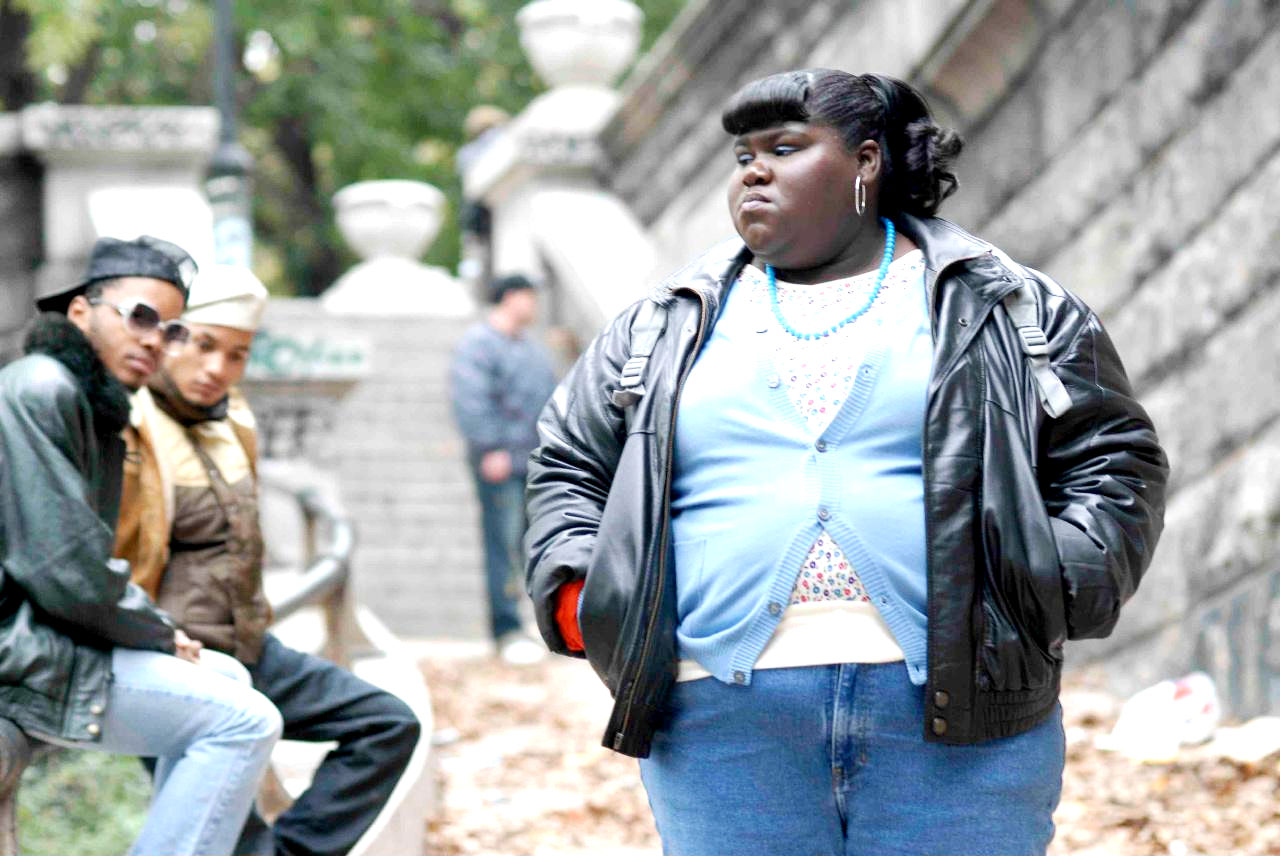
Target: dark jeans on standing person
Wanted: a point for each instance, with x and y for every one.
(376, 734)
(503, 521)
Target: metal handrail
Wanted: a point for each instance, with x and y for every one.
(328, 572)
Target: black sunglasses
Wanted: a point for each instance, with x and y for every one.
(140, 318)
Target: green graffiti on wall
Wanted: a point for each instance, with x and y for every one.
(286, 356)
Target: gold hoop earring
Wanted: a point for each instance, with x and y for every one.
(859, 196)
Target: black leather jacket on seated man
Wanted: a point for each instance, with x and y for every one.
(64, 603)
(1038, 529)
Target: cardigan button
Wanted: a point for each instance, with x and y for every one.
(96, 709)
(821, 445)
(941, 699)
(823, 514)
(775, 608)
(774, 381)
(93, 728)
(939, 726)
(739, 678)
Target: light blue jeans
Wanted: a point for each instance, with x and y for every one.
(211, 734)
(832, 761)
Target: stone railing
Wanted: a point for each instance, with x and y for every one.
(324, 582)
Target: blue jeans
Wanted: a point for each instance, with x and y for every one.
(212, 734)
(831, 761)
(503, 521)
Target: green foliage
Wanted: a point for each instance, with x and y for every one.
(82, 802)
(341, 91)
(62, 30)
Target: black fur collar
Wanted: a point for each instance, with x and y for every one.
(55, 335)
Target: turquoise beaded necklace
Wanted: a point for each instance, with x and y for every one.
(889, 241)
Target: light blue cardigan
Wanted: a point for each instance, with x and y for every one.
(753, 487)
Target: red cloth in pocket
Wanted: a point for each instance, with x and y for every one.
(567, 614)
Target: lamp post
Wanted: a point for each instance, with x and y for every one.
(228, 181)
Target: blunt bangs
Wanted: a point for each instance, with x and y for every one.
(768, 102)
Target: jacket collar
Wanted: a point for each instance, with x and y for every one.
(710, 275)
(55, 336)
(943, 243)
(985, 269)
(167, 397)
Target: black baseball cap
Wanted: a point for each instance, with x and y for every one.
(143, 256)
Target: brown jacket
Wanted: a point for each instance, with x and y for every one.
(213, 589)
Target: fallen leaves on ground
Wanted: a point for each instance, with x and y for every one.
(1112, 806)
(521, 767)
(522, 773)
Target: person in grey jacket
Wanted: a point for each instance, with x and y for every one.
(89, 662)
(499, 379)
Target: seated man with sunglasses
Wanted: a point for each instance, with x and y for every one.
(87, 661)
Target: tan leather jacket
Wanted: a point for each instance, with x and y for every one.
(213, 589)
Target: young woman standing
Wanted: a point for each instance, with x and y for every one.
(827, 550)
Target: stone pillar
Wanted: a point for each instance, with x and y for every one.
(552, 219)
(355, 382)
(119, 171)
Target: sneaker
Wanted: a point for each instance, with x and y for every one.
(518, 650)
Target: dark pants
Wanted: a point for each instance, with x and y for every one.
(376, 733)
(503, 521)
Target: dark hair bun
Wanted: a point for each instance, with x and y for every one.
(924, 177)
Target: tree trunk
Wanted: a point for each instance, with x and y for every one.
(17, 83)
(293, 137)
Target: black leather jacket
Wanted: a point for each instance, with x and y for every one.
(1038, 529)
(64, 603)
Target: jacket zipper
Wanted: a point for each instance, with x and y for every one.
(925, 473)
(666, 519)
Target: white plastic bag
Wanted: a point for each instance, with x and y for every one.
(1157, 721)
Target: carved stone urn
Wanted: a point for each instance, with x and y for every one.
(390, 224)
(580, 42)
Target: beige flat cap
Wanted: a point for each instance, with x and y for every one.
(226, 296)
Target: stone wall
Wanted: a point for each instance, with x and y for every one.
(1131, 150)
(142, 165)
(1146, 180)
(399, 462)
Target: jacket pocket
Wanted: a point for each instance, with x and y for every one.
(1091, 596)
(36, 657)
(1024, 580)
(1010, 658)
(1023, 606)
